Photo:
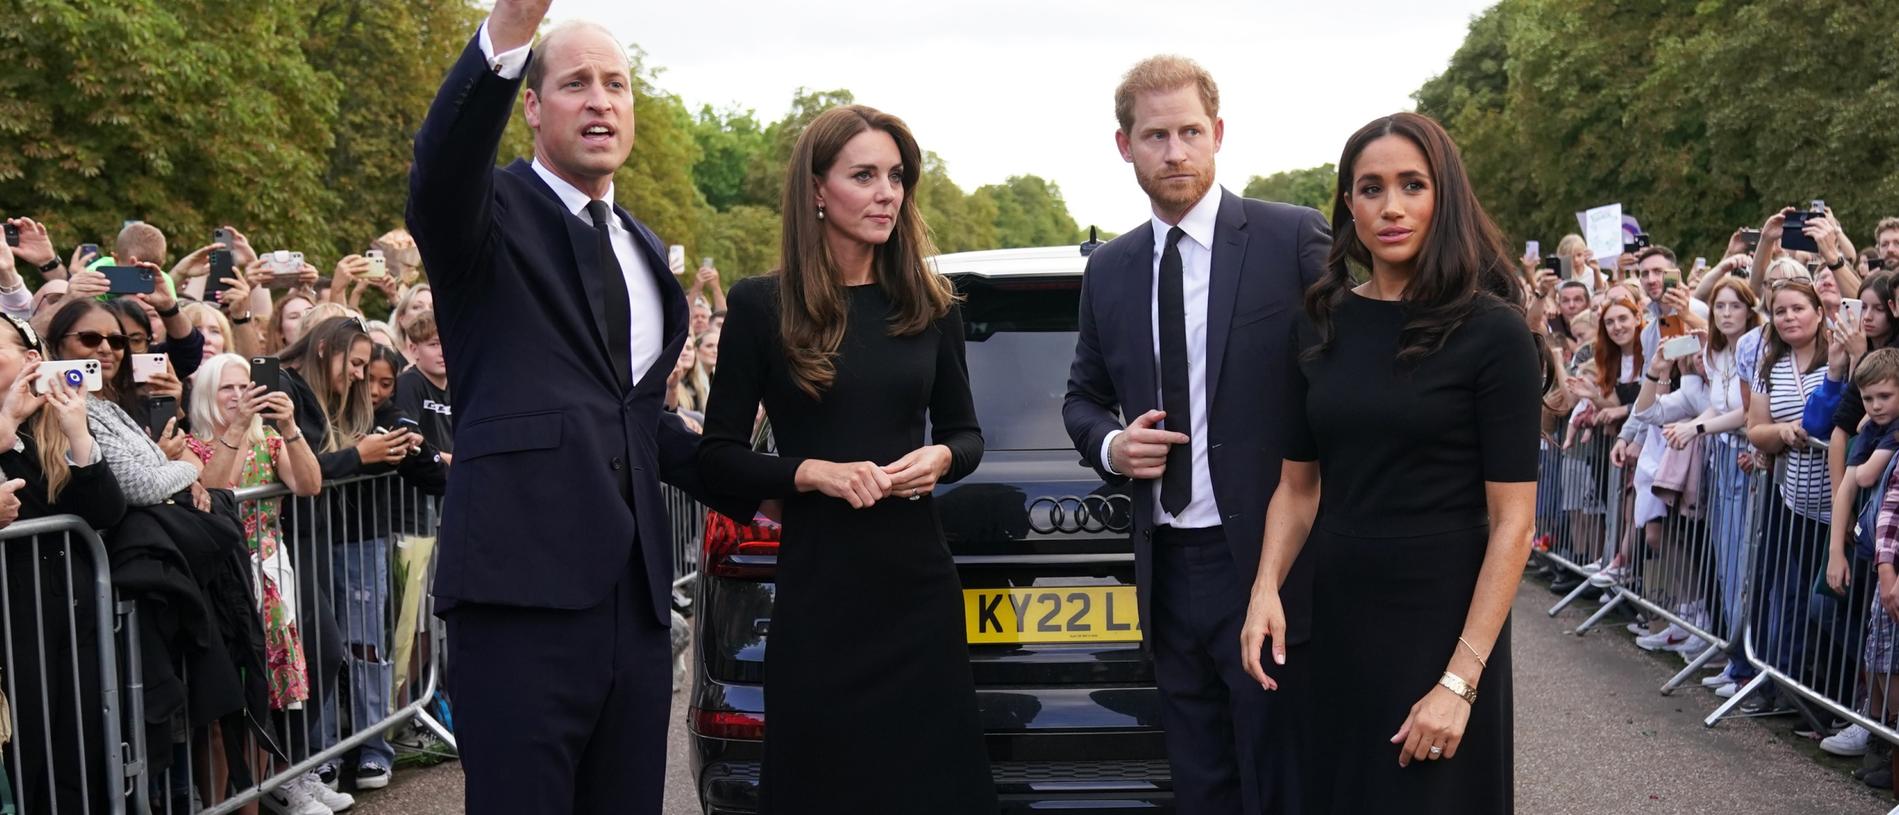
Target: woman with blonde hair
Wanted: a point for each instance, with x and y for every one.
(849, 346)
(247, 437)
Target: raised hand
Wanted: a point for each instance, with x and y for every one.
(513, 22)
(35, 247)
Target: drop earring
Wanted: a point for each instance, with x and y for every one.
(820, 213)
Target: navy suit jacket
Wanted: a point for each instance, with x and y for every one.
(557, 467)
(1264, 257)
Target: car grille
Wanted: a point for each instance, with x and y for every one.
(1134, 772)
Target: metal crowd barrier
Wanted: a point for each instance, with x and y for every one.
(1741, 565)
(60, 671)
(360, 595)
(689, 529)
(354, 566)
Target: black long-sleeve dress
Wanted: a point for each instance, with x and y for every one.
(870, 702)
(1402, 530)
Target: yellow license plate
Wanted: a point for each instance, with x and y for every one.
(1052, 614)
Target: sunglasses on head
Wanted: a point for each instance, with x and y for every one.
(91, 339)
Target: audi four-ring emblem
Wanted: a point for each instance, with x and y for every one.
(1085, 513)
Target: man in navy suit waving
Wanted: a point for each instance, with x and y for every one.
(1186, 330)
(560, 323)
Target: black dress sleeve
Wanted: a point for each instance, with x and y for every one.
(748, 348)
(1508, 395)
(953, 421)
(1300, 446)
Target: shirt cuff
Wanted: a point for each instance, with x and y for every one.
(1107, 461)
(508, 65)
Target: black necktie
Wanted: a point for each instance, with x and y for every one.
(1176, 398)
(619, 311)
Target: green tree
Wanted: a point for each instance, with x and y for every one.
(765, 176)
(389, 59)
(959, 222)
(1030, 212)
(1311, 187)
(136, 109)
(1697, 117)
(728, 140)
(742, 241)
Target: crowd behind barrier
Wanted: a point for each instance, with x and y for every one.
(219, 528)
(1719, 463)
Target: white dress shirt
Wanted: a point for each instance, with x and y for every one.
(641, 288)
(1196, 265)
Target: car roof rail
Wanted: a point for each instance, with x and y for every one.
(1093, 242)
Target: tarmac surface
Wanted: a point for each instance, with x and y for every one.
(1594, 737)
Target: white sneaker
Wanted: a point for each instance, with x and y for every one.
(1717, 680)
(336, 801)
(1849, 742)
(1606, 597)
(1608, 577)
(1728, 691)
(293, 799)
(1592, 568)
(1689, 648)
(1668, 638)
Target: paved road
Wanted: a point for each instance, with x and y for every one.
(1593, 737)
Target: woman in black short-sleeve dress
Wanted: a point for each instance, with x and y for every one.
(1412, 477)
(870, 702)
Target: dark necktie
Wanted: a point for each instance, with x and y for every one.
(619, 311)
(1176, 397)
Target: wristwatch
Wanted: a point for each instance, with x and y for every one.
(1836, 263)
(50, 265)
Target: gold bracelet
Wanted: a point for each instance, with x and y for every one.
(1473, 652)
(228, 444)
(1456, 684)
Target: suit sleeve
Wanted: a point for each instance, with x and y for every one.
(679, 466)
(746, 351)
(451, 183)
(1315, 245)
(1091, 408)
(953, 421)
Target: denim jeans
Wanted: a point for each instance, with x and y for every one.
(360, 594)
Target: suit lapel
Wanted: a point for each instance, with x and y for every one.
(1140, 279)
(673, 311)
(1229, 254)
(584, 242)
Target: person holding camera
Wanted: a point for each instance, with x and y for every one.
(560, 539)
(246, 436)
(149, 472)
(53, 466)
(344, 561)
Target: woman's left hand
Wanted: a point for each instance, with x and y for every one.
(277, 409)
(1437, 720)
(916, 474)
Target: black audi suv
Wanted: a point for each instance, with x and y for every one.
(1041, 543)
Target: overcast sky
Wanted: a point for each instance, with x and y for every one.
(1006, 87)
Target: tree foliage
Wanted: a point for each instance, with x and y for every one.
(1697, 117)
(293, 118)
(1311, 187)
(1030, 212)
(295, 121)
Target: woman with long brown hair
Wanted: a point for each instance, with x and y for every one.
(1422, 386)
(849, 346)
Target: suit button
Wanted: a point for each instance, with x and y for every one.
(618, 464)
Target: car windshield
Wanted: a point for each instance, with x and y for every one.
(1021, 337)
